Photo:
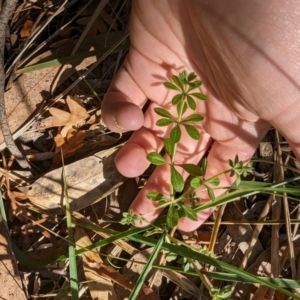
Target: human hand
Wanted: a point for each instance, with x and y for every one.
(246, 54)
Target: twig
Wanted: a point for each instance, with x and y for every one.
(7, 10)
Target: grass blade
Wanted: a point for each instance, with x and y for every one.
(68, 59)
(72, 254)
(188, 253)
(285, 283)
(234, 273)
(148, 266)
(235, 195)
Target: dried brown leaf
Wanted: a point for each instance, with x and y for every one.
(99, 287)
(89, 180)
(67, 146)
(75, 118)
(111, 274)
(18, 196)
(108, 272)
(95, 118)
(27, 27)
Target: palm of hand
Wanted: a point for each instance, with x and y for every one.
(232, 125)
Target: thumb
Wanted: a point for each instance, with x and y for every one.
(119, 112)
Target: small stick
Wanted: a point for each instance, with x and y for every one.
(7, 11)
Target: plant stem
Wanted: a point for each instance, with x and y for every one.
(180, 110)
(207, 284)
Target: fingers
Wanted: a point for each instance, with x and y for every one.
(131, 160)
(244, 143)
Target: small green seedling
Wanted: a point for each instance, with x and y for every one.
(221, 294)
(187, 87)
(182, 200)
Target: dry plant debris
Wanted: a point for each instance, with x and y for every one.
(75, 118)
(55, 112)
(11, 283)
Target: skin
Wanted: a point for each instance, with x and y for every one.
(247, 53)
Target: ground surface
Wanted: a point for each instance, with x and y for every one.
(53, 112)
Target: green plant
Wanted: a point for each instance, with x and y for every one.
(184, 204)
(220, 294)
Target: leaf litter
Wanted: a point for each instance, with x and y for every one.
(72, 129)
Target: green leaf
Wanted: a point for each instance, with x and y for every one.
(182, 260)
(196, 182)
(214, 181)
(210, 193)
(192, 169)
(195, 84)
(194, 118)
(177, 99)
(169, 146)
(186, 267)
(164, 122)
(172, 217)
(192, 132)
(183, 76)
(189, 213)
(175, 134)
(171, 86)
(191, 102)
(163, 113)
(230, 163)
(178, 82)
(199, 96)
(155, 196)
(191, 76)
(238, 180)
(124, 221)
(225, 292)
(171, 257)
(156, 159)
(161, 202)
(176, 180)
(237, 160)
